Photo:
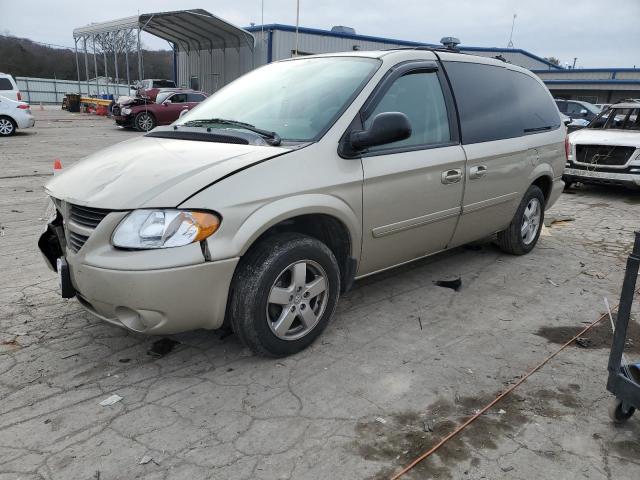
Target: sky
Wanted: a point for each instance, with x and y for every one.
(599, 33)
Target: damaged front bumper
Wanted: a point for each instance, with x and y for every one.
(148, 291)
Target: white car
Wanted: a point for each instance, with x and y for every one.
(14, 115)
(9, 88)
(607, 151)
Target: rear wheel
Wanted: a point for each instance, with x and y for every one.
(523, 232)
(284, 294)
(7, 126)
(145, 121)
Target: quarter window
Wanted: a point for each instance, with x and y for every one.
(419, 96)
(5, 84)
(496, 103)
(178, 98)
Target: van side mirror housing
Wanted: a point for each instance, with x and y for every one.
(386, 127)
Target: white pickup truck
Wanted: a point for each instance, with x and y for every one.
(607, 151)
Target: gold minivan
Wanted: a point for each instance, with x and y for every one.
(260, 206)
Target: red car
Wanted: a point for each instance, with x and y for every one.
(145, 115)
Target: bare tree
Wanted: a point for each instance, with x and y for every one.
(554, 60)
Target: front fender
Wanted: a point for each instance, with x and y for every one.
(277, 211)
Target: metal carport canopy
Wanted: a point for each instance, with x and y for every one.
(189, 29)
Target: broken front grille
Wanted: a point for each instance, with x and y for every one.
(75, 241)
(85, 216)
(79, 223)
(605, 155)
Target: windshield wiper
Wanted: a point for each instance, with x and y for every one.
(273, 138)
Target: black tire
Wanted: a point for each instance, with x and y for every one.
(568, 183)
(511, 240)
(8, 126)
(145, 122)
(257, 273)
(620, 412)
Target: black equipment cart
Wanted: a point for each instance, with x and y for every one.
(624, 378)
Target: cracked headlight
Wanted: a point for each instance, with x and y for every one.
(149, 229)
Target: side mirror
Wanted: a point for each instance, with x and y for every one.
(166, 102)
(387, 127)
(567, 122)
(183, 112)
(583, 111)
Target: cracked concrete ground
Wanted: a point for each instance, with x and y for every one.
(401, 365)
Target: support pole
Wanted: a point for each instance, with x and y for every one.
(86, 63)
(77, 63)
(115, 62)
(126, 62)
(95, 63)
(224, 65)
(106, 73)
(139, 58)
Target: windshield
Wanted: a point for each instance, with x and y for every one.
(591, 107)
(298, 99)
(162, 96)
(618, 119)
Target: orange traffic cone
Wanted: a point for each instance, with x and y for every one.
(57, 166)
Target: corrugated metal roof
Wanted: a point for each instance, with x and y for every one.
(194, 29)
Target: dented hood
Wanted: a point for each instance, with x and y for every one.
(152, 172)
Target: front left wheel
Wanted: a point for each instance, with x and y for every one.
(145, 121)
(284, 293)
(7, 127)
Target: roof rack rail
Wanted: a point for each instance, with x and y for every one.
(424, 47)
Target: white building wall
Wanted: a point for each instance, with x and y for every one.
(284, 44)
(213, 68)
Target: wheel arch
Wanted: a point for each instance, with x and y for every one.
(10, 118)
(324, 217)
(542, 177)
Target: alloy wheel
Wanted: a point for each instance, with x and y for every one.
(531, 221)
(297, 300)
(6, 127)
(145, 122)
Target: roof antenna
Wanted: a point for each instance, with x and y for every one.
(513, 23)
(297, 23)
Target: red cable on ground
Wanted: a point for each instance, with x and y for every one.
(472, 419)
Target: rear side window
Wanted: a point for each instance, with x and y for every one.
(419, 96)
(195, 97)
(496, 103)
(5, 84)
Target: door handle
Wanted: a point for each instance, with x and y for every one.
(477, 171)
(452, 176)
